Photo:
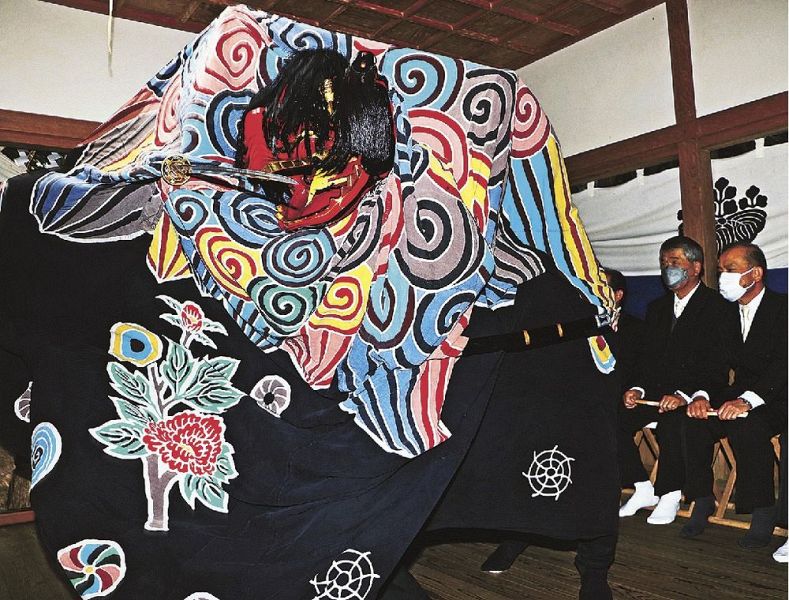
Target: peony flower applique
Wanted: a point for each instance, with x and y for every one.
(169, 405)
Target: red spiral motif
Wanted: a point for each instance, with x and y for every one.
(231, 264)
(233, 63)
(343, 305)
(168, 124)
(530, 126)
(371, 46)
(444, 136)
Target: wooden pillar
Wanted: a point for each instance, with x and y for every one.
(695, 182)
(695, 169)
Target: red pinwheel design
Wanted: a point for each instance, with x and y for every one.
(93, 567)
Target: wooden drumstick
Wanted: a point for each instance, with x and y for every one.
(710, 413)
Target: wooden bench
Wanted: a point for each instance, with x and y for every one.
(724, 467)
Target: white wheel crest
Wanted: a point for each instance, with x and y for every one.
(549, 473)
(350, 577)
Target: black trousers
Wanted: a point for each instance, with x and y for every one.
(671, 467)
(753, 451)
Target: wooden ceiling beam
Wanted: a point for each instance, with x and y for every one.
(43, 131)
(458, 26)
(627, 155)
(374, 7)
(401, 15)
(133, 14)
(189, 10)
(744, 122)
(542, 22)
(182, 18)
(337, 12)
(602, 23)
(741, 123)
(606, 6)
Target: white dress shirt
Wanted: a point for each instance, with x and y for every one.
(681, 303)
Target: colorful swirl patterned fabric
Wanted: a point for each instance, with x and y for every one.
(380, 299)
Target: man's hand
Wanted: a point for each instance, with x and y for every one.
(729, 410)
(699, 408)
(630, 397)
(670, 402)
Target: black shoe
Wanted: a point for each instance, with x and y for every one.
(501, 558)
(760, 533)
(703, 509)
(594, 586)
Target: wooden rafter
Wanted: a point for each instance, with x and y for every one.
(43, 131)
(436, 30)
(730, 126)
(133, 14)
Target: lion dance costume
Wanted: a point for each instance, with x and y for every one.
(243, 306)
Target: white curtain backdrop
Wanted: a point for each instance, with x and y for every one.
(627, 223)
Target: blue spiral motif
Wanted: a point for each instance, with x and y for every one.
(223, 117)
(248, 219)
(300, 258)
(45, 449)
(436, 315)
(286, 309)
(159, 82)
(390, 310)
(289, 37)
(187, 211)
(423, 79)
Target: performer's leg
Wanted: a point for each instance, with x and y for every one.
(698, 438)
(503, 556)
(593, 559)
(403, 586)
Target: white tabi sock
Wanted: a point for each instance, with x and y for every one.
(666, 510)
(643, 497)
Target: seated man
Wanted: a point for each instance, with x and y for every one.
(680, 356)
(756, 336)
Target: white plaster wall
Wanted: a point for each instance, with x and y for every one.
(739, 50)
(610, 86)
(54, 59)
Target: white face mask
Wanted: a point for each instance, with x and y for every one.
(729, 285)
